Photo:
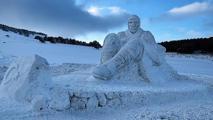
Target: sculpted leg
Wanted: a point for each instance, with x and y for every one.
(110, 47)
(130, 52)
(142, 72)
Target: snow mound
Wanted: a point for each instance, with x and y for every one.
(25, 78)
(28, 81)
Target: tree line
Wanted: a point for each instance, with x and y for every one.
(71, 41)
(188, 46)
(195, 45)
(44, 38)
(24, 32)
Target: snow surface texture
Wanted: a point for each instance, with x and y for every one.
(84, 89)
(166, 100)
(27, 81)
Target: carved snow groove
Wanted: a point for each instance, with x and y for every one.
(82, 100)
(91, 100)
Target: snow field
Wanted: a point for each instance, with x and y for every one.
(175, 100)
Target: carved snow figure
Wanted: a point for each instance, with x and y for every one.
(26, 78)
(28, 81)
(132, 53)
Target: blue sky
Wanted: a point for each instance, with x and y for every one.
(90, 20)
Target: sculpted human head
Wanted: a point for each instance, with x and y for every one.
(133, 23)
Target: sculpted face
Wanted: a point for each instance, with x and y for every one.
(133, 24)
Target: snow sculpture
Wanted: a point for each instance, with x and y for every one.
(26, 78)
(133, 54)
(28, 81)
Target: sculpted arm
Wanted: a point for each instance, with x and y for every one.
(154, 50)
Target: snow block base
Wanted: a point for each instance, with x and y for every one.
(91, 93)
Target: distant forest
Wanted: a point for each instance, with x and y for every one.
(188, 46)
(44, 38)
(24, 32)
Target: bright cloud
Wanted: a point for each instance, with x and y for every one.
(102, 11)
(94, 11)
(192, 8)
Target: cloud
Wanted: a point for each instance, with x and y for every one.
(94, 11)
(56, 17)
(103, 11)
(196, 9)
(199, 13)
(193, 8)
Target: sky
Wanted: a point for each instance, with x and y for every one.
(89, 20)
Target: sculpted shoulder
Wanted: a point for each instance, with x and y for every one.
(148, 37)
(121, 34)
(148, 33)
(111, 38)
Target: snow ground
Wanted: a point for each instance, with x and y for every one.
(16, 45)
(69, 61)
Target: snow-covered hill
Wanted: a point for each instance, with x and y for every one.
(12, 44)
(67, 60)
